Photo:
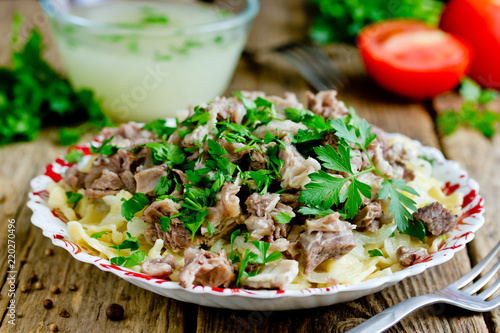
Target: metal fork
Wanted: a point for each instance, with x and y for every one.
(452, 294)
(314, 65)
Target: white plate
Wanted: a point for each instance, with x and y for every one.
(449, 172)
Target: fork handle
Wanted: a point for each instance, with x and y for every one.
(391, 316)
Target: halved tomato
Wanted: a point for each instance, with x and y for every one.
(413, 59)
(477, 22)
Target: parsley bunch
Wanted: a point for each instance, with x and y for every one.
(32, 94)
(472, 112)
(341, 20)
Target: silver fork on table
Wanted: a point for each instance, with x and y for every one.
(314, 65)
(453, 294)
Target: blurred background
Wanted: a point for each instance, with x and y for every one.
(91, 63)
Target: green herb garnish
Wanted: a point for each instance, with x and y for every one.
(99, 234)
(74, 156)
(283, 218)
(472, 113)
(375, 253)
(73, 198)
(106, 148)
(133, 205)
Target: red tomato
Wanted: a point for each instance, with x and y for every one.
(413, 59)
(478, 22)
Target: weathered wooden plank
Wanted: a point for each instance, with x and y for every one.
(481, 158)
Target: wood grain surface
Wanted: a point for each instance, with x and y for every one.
(279, 22)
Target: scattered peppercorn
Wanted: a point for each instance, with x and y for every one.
(47, 303)
(54, 328)
(49, 252)
(55, 290)
(73, 287)
(115, 311)
(64, 313)
(38, 285)
(24, 288)
(33, 278)
(19, 315)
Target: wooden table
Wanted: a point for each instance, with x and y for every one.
(278, 22)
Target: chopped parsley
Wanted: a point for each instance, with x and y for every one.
(261, 258)
(472, 112)
(375, 253)
(234, 257)
(263, 179)
(131, 243)
(167, 153)
(106, 148)
(425, 158)
(283, 218)
(134, 205)
(315, 210)
(163, 186)
(73, 198)
(164, 223)
(159, 127)
(99, 234)
(259, 112)
(74, 156)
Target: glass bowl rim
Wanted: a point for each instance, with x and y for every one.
(246, 15)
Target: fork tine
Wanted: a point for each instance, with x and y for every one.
(483, 280)
(305, 71)
(318, 69)
(491, 290)
(321, 63)
(494, 303)
(464, 280)
(313, 62)
(324, 58)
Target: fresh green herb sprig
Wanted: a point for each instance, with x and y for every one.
(200, 117)
(159, 127)
(134, 205)
(251, 258)
(73, 198)
(33, 94)
(167, 153)
(74, 156)
(259, 112)
(134, 259)
(106, 148)
(99, 234)
(324, 190)
(375, 253)
(341, 20)
(472, 113)
(163, 186)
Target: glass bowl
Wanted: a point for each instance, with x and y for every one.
(142, 59)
